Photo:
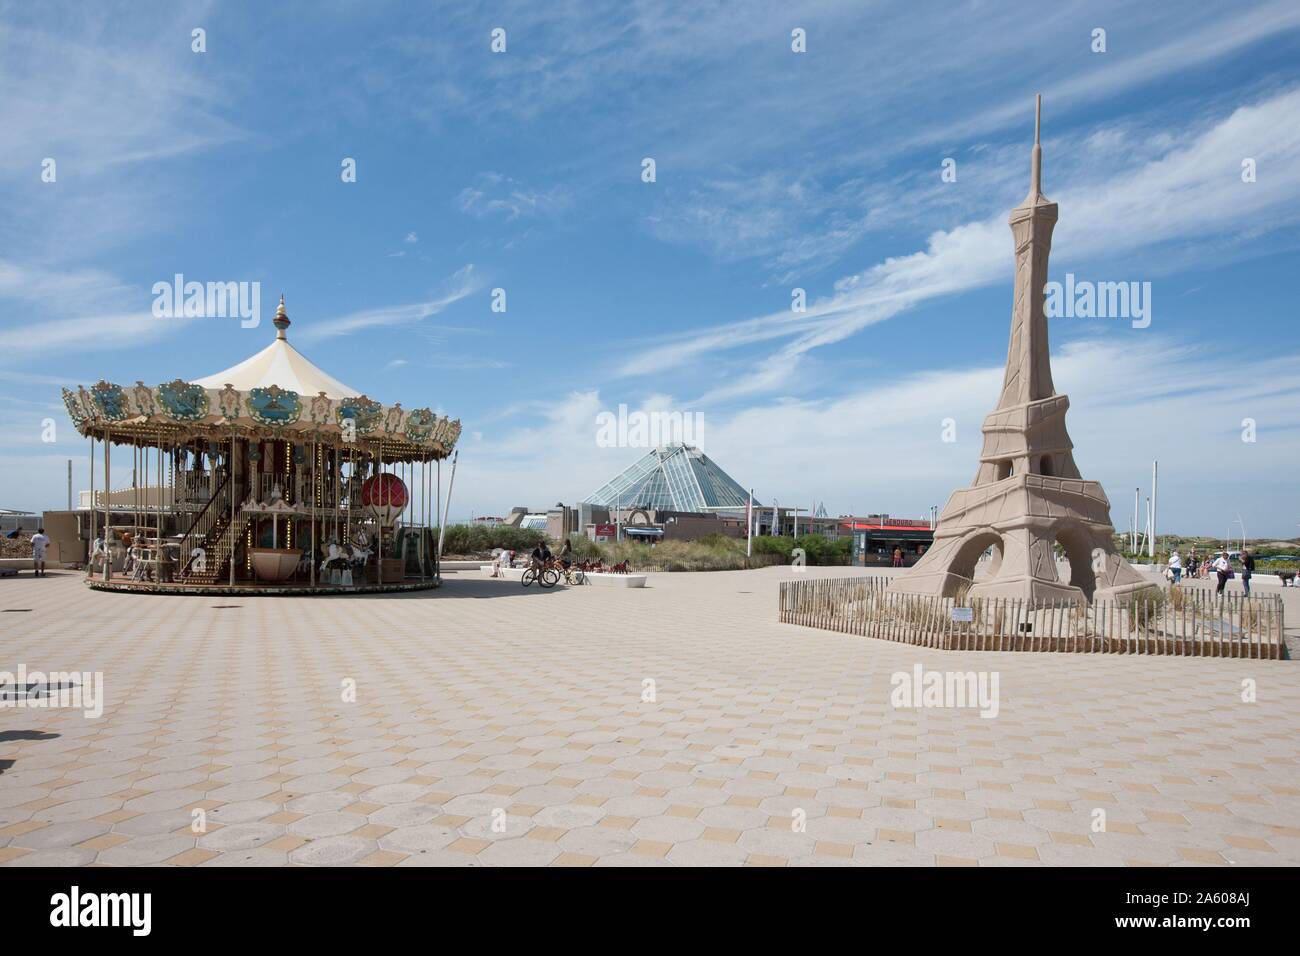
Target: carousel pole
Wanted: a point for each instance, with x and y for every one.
(428, 510)
(90, 543)
(424, 519)
(379, 527)
(230, 479)
(314, 499)
(108, 558)
(135, 492)
(423, 502)
(141, 476)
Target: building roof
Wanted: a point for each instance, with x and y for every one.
(672, 478)
(279, 364)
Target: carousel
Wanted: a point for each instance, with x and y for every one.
(271, 477)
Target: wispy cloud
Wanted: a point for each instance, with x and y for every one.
(1120, 392)
(493, 194)
(460, 285)
(1191, 188)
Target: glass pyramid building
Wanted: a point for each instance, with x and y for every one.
(672, 478)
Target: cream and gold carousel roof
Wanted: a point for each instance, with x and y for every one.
(279, 364)
(277, 393)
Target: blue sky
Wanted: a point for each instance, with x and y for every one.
(775, 170)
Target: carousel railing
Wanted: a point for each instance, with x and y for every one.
(216, 509)
(195, 487)
(299, 489)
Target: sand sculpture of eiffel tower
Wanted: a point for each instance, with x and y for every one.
(1027, 495)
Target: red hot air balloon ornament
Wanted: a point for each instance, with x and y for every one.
(384, 497)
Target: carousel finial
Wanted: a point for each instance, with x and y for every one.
(281, 320)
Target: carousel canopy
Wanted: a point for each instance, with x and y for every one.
(277, 393)
(283, 365)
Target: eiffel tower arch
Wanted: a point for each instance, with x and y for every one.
(1027, 495)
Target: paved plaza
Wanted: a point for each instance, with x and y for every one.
(680, 724)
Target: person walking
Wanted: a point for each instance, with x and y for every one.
(1223, 568)
(1176, 565)
(40, 541)
(1247, 569)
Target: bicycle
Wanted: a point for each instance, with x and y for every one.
(545, 575)
(573, 574)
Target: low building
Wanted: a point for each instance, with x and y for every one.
(27, 521)
(876, 537)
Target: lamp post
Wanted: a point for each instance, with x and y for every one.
(749, 525)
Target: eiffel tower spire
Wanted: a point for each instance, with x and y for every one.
(1029, 368)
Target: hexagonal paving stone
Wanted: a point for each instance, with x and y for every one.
(333, 851)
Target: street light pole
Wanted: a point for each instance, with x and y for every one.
(1151, 544)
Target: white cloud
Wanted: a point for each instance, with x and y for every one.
(879, 448)
(496, 195)
(1191, 189)
(459, 285)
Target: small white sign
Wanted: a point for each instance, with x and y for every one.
(966, 614)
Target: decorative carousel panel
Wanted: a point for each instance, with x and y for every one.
(363, 413)
(393, 420)
(321, 410)
(110, 400)
(142, 399)
(78, 414)
(419, 426)
(228, 402)
(184, 402)
(274, 405)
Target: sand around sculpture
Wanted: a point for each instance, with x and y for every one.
(1028, 494)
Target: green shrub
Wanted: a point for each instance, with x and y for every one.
(818, 550)
(481, 540)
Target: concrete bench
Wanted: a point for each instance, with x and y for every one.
(611, 580)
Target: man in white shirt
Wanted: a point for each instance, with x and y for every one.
(39, 543)
(1176, 566)
(1223, 568)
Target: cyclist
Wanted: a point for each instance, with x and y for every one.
(542, 554)
(566, 554)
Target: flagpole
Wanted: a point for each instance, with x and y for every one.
(442, 529)
(749, 526)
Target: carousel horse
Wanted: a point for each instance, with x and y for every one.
(359, 556)
(99, 553)
(332, 553)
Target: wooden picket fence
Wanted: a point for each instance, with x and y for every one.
(1176, 621)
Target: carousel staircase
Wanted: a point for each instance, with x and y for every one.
(211, 531)
(221, 544)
